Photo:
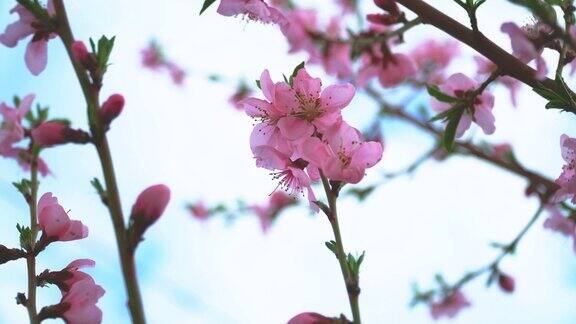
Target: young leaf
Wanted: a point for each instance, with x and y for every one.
(435, 92)
(450, 132)
(295, 72)
(206, 5)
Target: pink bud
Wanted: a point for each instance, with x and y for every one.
(80, 52)
(49, 133)
(55, 132)
(151, 203)
(506, 283)
(310, 318)
(111, 108)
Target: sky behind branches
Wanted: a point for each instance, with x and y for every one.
(441, 219)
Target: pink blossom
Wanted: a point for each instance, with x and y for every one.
(432, 54)
(525, 49)
(111, 108)
(68, 276)
(391, 69)
(303, 24)
(486, 67)
(55, 223)
(199, 210)
(176, 73)
(11, 130)
(481, 111)
(151, 203)
(449, 306)
(310, 318)
(256, 10)
(567, 179)
(266, 213)
(24, 157)
(336, 59)
(81, 300)
(558, 223)
(342, 154)
(36, 55)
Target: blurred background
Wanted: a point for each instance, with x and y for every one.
(440, 219)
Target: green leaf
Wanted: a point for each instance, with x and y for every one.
(25, 236)
(98, 186)
(258, 84)
(331, 245)
(105, 46)
(295, 72)
(435, 92)
(206, 5)
(541, 9)
(450, 132)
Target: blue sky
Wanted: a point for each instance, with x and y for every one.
(440, 219)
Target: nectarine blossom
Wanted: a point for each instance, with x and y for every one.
(268, 212)
(36, 55)
(391, 69)
(480, 111)
(559, 223)
(80, 302)
(68, 276)
(311, 318)
(524, 48)
(55, 223)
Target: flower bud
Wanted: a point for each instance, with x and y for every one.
(55, 132)
(506, 283)
(148, 207)
(311, 318)
(111, 108)
(81, 56)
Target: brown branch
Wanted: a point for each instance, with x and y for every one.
(507, 63)
(467, 147)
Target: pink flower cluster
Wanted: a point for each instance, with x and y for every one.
(36, 56)
(13, 132)
(300, 133)
(153, 59)
(79, 291)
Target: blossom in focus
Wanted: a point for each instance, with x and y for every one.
(567, 180)
(81, 300)
(480, 111)
(391, 69)
(524, 48)
(256, 10)
(55, 223)
(36, 56)
(11, 130)
(450, 306)
(343, 155)
(68, 276)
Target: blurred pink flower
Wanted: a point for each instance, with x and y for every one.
(450, 306)
(391, 69)
(310, 318)
(36, 55)
(567, 179)
(256, 10)
(524, 49)
(111, 108)
(81, 302)
(199, 210)
(11, 130)
(151, 203)
(506, 282)
(266, 213)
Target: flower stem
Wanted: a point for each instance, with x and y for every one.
(91, 94)
(31, 257)
(350, 280)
